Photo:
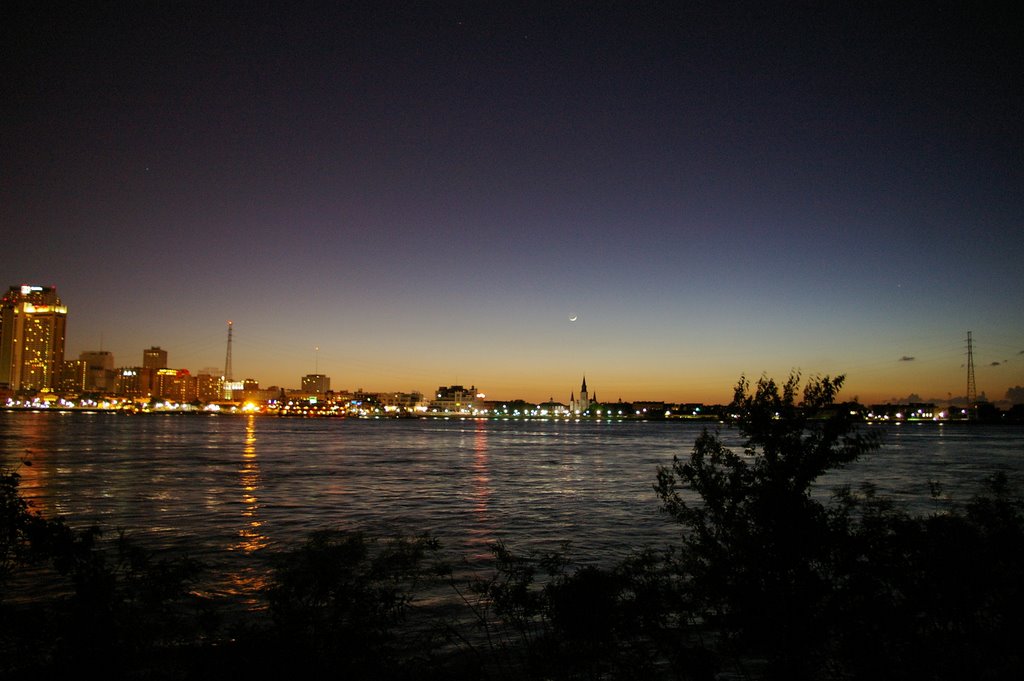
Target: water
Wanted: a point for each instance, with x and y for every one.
(959, 457)
(230, 489)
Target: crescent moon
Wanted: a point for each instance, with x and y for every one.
(574, 318)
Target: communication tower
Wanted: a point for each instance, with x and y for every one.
(227, 360)
(972, 389)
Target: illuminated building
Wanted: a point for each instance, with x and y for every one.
(317, 384)
(176, 385)
(455, 398)
(32, 327)
(244, 391)
(582, 404)
(250, 391)
(154, 358)
(209, 386)
(73, 376)
(401, 401)
(231, 390)
(552, 407)
(133, 382)
(99, 375)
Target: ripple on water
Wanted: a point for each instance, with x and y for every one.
(203, 484)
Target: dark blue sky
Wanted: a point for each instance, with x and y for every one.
(426, 192)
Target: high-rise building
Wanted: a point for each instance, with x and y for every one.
(316, 383)
(154, 358)
(174, 384)
(32, 327)
(133, 382)
(99, 376)
(73, 376)
(209, 385)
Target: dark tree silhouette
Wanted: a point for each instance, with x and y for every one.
(855, 588)
(756, 544)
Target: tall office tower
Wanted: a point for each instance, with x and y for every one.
(100, 373)
(154, 358)
(209, 385)
(316, 383)
(73, 375)
(32, 326)
(133, 381)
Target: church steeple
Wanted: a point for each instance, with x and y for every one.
(583, 390)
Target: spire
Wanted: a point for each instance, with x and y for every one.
(584, 388)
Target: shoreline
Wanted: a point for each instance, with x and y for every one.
(472, 417)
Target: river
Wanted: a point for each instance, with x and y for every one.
(230, 489)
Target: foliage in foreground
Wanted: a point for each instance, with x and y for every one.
(767, 581)
(795, 588)
(114, 603)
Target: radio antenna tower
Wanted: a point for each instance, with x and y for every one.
(227, 360)
(972, 389)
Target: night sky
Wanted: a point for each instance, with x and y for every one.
(428, 192)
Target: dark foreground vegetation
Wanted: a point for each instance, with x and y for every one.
(766, 582)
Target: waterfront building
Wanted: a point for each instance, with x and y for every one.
(132, 382)
(515, 407)
(176, 385)
(32, 327)
(361, 401)
(229, 388)
(99, 376)
(690, 409)
(73, 376)
(652, 409)
(456, 399)
(261, 395)
(250, 392)
(553, 408)
(913, 411)
(209, 386)
(317, 384)
(154, 358)
(400, 401)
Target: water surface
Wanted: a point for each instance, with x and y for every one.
(227, 488)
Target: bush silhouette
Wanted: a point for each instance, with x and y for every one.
(115, 603)
(337, 601)
(791, 587)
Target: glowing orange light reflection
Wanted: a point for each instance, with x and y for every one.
(481, 532)
(250, 538)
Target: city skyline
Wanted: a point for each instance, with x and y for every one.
(155, 357)
(401, 197)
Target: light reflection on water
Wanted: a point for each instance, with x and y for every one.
(225, 489)
(481, 533)
(249, 579)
